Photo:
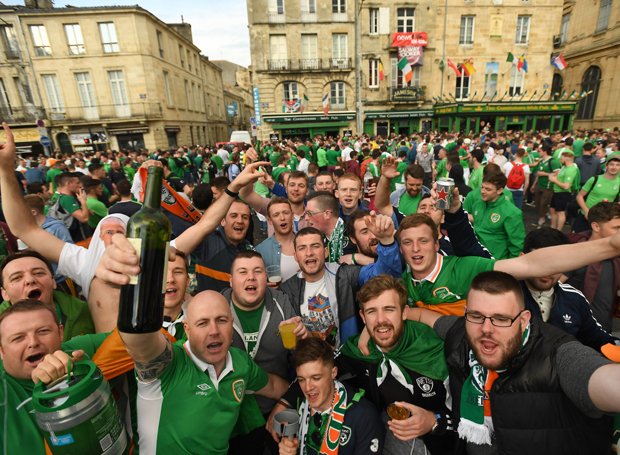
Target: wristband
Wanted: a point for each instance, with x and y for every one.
(353, 259)
(232, 194)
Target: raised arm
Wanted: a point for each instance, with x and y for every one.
(18, 217)
(382, 195)
(152, 352)
(275, 388)
(561, 258)
(254, 200)
(191, 238)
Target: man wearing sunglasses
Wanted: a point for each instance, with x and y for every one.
(519, 385)
(334, 418)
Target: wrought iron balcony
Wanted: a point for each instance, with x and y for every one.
(312, 64)
(107, 112)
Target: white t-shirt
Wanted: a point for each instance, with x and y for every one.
(288, 266)
(223, 154)
(508, 167)
(346, 154)
(303, 165)
(319, 311)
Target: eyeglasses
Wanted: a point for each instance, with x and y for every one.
(497, 321)
(310, 213)
(316, 437)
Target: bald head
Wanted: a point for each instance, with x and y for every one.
(206, 300)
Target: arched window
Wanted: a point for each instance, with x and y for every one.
(589, 85)
(556, 87)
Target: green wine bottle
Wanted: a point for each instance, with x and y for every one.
(142, 300)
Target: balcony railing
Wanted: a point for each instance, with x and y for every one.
(312, 64)
(108, 112)
(308, 16)
(275, 18)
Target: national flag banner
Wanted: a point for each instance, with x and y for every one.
(456, 69)
(302, 104)
(468, 68)
(293, 105)
(326, 104)
(520, 63)
(524, 66)
(559, 62)
(510, 57)
(413, 54)
(381, 73)
(405, 67)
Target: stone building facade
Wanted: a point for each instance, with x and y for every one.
(589, 40)
(106, 77)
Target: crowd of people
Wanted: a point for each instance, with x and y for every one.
(419, 329)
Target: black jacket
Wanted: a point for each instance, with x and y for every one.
(531, 414)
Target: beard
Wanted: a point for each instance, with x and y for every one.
(507, 351)
(387, 345)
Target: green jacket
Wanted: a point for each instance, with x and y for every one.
(73, 313)
(499, 226)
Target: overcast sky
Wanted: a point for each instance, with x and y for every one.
(219, 27)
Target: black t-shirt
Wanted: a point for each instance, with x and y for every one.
(127, 208)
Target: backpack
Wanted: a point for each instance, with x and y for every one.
(516, 177)
(57, 212)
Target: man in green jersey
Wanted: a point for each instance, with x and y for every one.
(497, 222)
(564, 182)
(205, 376)
(602, 187)
(475, 161)
(543, 192)
(29, 332)
(441, 283)
(405, 200)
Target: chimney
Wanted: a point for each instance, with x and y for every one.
(39, 4)
(184, 29)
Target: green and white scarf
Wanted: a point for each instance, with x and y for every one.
(476, 424)
(337, 242)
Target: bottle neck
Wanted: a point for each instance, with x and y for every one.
(152, 193)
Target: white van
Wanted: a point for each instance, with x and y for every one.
(240, 136)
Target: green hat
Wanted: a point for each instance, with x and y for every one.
(613, 156)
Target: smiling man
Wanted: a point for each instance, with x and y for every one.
(28, 275)
(504, 364)
(405, 365)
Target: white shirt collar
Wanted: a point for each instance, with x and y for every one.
(208, 367)
(432, 276)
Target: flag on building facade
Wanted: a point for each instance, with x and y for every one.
(326, 103)
(522, 64)
(381, 73)
(456, 69)
(468, 68)
(510, 57)
(303, 103)
(405, 67)
(559, 62)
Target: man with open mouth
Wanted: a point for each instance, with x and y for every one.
(28, 275)
(258, 311)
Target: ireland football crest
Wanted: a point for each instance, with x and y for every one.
(238, 388)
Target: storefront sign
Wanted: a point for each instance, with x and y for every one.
(22, 135)
(398, 114)
(172, 129)
(309, 118)
(408, 39)
(129, 131)
(407, 93)
(516, 107)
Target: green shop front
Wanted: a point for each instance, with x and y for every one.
(307, 126)
(405, 122)
(519, 116)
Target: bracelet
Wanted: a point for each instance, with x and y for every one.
(353, 259)
(232, 194)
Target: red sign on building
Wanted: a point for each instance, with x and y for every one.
(407, 39)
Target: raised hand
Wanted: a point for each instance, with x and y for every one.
(381, 226)
(388, 168)
(8, 149)
(250, 174)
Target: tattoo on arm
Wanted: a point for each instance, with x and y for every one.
(151, 370)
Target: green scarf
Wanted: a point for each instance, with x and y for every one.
(476, 424)
(419, 349)
(336, 242)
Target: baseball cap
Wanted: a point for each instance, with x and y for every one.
(613, 156)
